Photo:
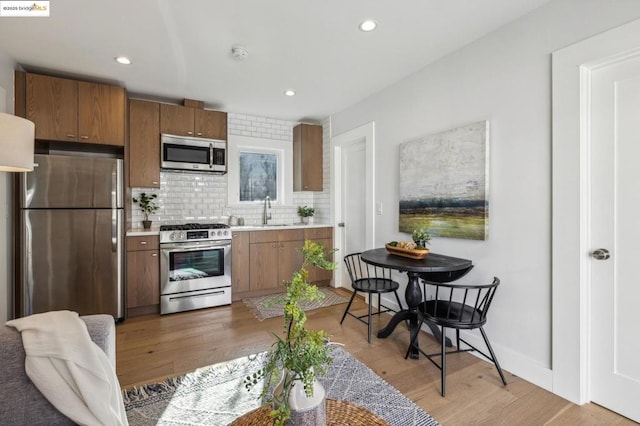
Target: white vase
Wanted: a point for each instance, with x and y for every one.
(305, 410)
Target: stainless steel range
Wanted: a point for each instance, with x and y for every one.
(195, 266)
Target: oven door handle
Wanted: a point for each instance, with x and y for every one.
(178, 247)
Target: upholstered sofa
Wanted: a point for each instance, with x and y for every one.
(21, 403)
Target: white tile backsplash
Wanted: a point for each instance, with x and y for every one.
(200, 197)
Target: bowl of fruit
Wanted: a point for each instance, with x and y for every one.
(407, 249)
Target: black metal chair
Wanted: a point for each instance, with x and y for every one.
(369, 279)
(460, 307)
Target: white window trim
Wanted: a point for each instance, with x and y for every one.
(284, 151)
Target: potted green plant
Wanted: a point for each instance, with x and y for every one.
(305, 212)
(298, 358)
(421, 237)
(147, 206)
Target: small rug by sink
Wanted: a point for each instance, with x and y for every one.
(270, 306)
(215, 395)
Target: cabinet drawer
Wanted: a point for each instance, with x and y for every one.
(198, 299)
(318, 233)
(275, 236)
(291, 235)
(263, 236)
(145, 242)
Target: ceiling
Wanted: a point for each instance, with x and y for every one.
(182, 49)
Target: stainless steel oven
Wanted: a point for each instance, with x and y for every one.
(195, 266)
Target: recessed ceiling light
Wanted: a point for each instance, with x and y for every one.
(123, 60)
(289, 92)
(368, 25)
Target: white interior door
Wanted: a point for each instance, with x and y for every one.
(353, 195)
(615, 203)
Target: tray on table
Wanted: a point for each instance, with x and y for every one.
(410, 253)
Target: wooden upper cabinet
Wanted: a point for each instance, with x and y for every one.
(210, 124)
(307, 158)
(101, 113)
(176, 120)
(52, 104)
(186, 121)
(144, 144)
(69, 110)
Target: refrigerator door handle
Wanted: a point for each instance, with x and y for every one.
(117, 198)
(114, 230)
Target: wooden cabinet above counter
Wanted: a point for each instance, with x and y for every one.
(187, 121)
(307, 158)
(72, 111)
(144, 144)
(148, 120)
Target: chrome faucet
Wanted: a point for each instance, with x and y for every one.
(266, 216)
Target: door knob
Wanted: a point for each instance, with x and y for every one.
(341, 225)
(601, 254)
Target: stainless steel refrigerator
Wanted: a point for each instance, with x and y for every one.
(71, 214)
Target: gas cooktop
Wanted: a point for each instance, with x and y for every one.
(195, 232)
(193, 226)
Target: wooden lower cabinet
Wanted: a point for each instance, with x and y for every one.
(239, 264)
(143, 275)
(289, 259)
(273, 258)
(324, 237)
(264, 266)
(263, 260)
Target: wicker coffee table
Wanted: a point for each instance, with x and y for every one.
(339, 413)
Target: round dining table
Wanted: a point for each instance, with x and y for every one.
(434, 268)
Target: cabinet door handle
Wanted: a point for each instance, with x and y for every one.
(70, 135)
(144, 243)
(154, 254)
(154, 182)
(84, 137)
(199, 134)
(189, 132)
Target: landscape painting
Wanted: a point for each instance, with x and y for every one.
(444, 183)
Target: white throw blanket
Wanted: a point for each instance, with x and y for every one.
(70, 370)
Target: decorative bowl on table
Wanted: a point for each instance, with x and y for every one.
(412, 253)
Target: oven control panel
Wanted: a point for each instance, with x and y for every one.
(203, 235)
(194, 232)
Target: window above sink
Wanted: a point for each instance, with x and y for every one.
(252, 160)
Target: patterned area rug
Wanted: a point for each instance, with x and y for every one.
(270, 306)
(216, 395)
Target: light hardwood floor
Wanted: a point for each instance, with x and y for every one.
(153, 347)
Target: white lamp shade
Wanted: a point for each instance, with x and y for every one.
(16, 143)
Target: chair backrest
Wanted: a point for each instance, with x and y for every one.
(458, 305)
(358, 269)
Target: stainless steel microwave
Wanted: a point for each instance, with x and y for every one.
(193, 154)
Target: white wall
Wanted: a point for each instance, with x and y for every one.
(505, 78)
(6, 286)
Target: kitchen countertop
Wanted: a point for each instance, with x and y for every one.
(136, 232)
